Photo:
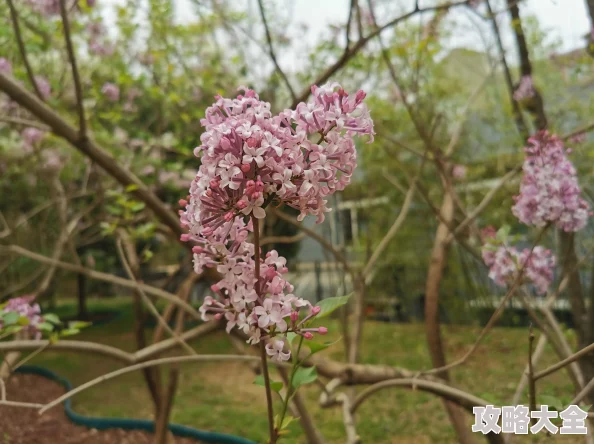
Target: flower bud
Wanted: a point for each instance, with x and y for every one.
(215, 288)
(294, 316)
(308, 335)
(184, 237)
(182, 202)
(246, 167)
(241, 204)
(315, 310)
(197, 250)
(322, 330)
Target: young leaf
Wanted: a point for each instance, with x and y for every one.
(315, 347)
(275, 386)
(70, 332)
(304, 375)
(51, 317)
(288, 420)
(328, 305)
(23, 321)
(131, 187)
(45, 326)
(10, 318)
(78, 324)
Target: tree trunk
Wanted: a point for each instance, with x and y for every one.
(432, 328)
(83, 313)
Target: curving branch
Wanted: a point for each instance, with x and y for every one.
(89, 148)
(349, 53)
(271, 51)
(14, 16)
(104, 277)
(75, 74)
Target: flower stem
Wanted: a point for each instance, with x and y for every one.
(289, 394)
(268, 393)
(262, 345)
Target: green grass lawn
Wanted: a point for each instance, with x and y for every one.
(221, 396)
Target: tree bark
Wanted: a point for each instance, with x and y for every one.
(432, 327)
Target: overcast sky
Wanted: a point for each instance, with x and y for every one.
(564, 20)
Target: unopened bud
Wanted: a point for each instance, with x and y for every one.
(322, 330)
(308, 335)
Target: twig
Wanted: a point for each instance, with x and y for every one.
(151, 307)
(583, 393)
(140, 366)
(29, 357)
(75, 74)
(21, 44)
(104, 277)
(272, 54)
(24, 122)
(559, 365)
(393, 229)
(282, 239)
(531, 380)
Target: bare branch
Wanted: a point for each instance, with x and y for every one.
(75, 74)
(272, 54)
(21, 44)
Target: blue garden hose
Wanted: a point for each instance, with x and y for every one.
(129, 424)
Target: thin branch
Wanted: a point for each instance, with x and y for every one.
(559, 365)
(24, 122)
(349, 53)
(320, 239)
(583, 393)
(21, 44)
(282, 239)
(531, 380)
(151, 307)
(90, 149)
(142, 365)
(272, 54)
(75, 74)
(104, 277)
(393, 229)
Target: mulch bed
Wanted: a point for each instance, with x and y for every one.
(25, 426)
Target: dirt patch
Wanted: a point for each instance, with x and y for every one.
(25, 426)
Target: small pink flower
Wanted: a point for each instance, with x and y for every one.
(5, 66)
(111, 91)
(274, 349)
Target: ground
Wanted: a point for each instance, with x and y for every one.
(222, 397)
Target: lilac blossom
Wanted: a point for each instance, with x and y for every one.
(505, 263)
(45, 7)
(31, 137)
(43, 86)
(5, 66)
(111, 91)
(24, 307)
(525, 89)
(459, 172)
(249, 158)
(549, 192)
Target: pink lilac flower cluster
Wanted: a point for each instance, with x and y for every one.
(44, 87)
(98, 44)
(5, 66)
(549, 192)
(111, 91)
(525, 89)
(45, 7)
(31, 137)
(250, 157)
(24, 307)
(505, 262)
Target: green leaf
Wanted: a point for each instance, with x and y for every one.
(287, 421)
(137, 206)
(51, 317)
(23, 321)
(503, 233)
(70, 332)
(275, 386)
(10, 318)
(131, 187)
(45, 326)
(304, 375)
(329, 305)
(315, 347)
(552, 402)
(586, 408)
(79, 324)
